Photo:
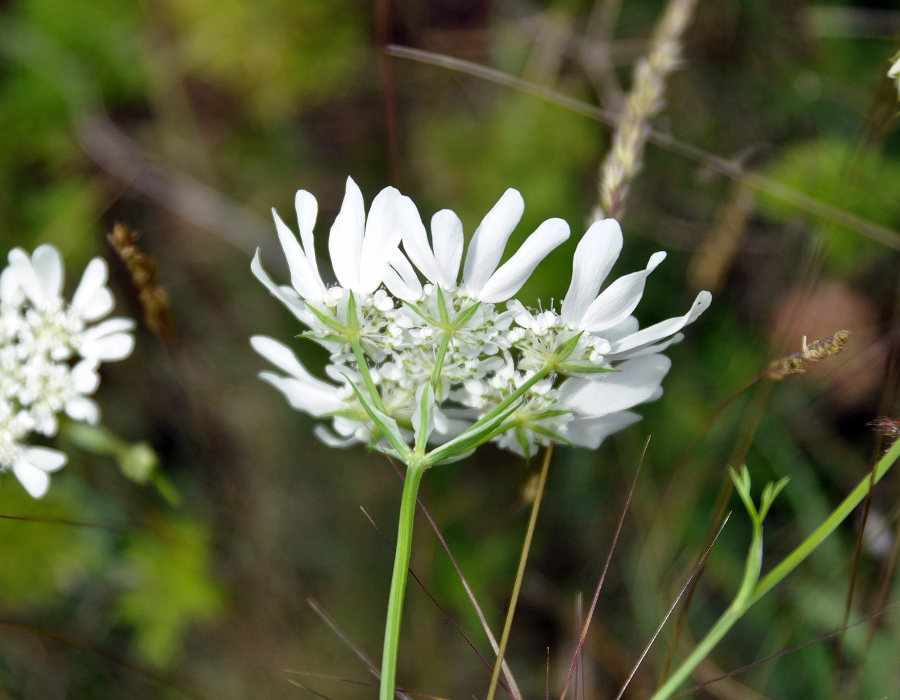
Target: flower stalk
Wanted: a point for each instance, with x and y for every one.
(414, 472)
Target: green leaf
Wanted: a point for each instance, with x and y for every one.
(170, 587)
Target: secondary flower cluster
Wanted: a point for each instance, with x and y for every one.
(49, 355)
(454, 358)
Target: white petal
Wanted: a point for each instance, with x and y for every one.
(595, 255)
(447, 236)
(83, 409)
(295, 306)
(401, 279)
(307, 210)
(489, 240)
(303, 278)
(314, 397)
(346, 239)
(280, 355)
(665, 328)
(647, 349)
(46, 459)
(35, 480)
(48, 265)
(618, 300)
(32, 467)
(415, 240)
(381, 240)
(515, 271)
(332, 440)
(92, 300)
(10, 290)
(634, 382)
(110, 348)
(85, 377)
(25, 276)
(590, 432)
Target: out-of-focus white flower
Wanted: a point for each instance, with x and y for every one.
(50, 350)
(517, 377)
(894, 71)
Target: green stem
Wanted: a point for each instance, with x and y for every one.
(366, 375)
(414, 473)
(805, 548)
(440, 453)
(745, 599)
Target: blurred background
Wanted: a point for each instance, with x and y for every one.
(188, 119)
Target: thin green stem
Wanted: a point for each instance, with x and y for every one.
(805, 548)
(414, 473)
(520, 574)
(746, 598)
(442, 452)
(366, 375)
(439, 361)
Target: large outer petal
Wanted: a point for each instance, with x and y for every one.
(590, 432)
(489, 240)
(634, 382)
(381, 240)
(448, 239)
(400, 278)
(595, 255)
(514, 272)
(415, 240)
(345, 243)
(304, 276)
(663, 329)
(617, 301)
(307, 210)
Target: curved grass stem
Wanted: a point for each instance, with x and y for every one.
(520, 574)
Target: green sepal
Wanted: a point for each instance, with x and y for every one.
(442, 307)
(332, 323)
(464, 316)
(387, 425)
(567, 348)
(552, 434)
(586, 368)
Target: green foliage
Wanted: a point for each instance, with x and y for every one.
(279, 56)
(49, 554)
(853, 176)
(166, 571)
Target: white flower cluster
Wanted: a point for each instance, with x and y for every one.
(49, 356)
(493, 369)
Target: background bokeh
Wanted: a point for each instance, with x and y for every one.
(188, 119)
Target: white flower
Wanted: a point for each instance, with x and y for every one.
(569, 377)
(360, 248)
(31, 465)
(482, 280)
(51, 350)
(62, 329)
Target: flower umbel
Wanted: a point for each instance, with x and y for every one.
(428, 371)
(50, 351)
(506, 374)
